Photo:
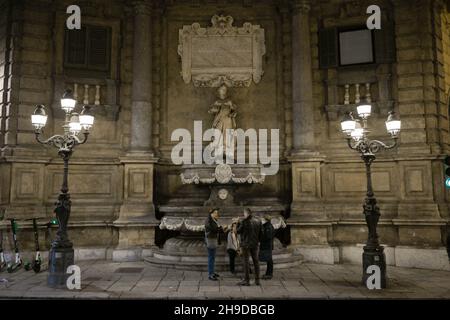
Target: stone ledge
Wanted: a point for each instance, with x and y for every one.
(426, 258)
(399, 256)
(318, 254)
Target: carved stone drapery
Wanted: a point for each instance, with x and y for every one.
(222, 53)
(198, 224)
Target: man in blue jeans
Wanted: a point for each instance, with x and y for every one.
(212, 230)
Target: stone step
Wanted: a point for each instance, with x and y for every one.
(202, 258)
(221, 265)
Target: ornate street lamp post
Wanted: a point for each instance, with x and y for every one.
(61, 253)
(358, 139)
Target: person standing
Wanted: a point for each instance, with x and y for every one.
(212, 230)
(448, 244)
(232, 246)
(266, 246)
(250, 231)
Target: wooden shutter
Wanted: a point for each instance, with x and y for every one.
(384, 42)
(75, 47)
(328, 48)
(99, 48)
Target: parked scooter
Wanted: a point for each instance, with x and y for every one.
(3, 263)
(18, 260)
(37, 263)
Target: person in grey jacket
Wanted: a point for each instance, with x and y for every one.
(232, 246)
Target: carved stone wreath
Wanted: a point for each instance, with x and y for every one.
(223, 173)
(222, 53)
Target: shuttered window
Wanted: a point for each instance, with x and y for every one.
(88, 48)
(328, 48)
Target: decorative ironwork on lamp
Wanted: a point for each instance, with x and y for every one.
(358, 139)
(61, 253)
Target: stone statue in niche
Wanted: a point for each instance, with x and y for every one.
(224, 111)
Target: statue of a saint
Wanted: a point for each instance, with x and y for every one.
(224, 121)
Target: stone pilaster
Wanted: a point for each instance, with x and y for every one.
(137, 214)
(302, 87)
(141, 113)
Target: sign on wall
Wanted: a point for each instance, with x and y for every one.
(222, 53)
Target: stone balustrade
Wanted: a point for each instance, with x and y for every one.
(87, 94)
(100, 94)
(346, 92)
(357, 96)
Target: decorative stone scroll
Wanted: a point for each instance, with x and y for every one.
(222, 53)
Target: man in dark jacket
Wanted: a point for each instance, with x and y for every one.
(250, 231)
(266, 246)
(212, 230)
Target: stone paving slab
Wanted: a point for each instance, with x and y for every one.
(108, 280)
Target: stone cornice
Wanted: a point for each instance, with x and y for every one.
(142, 7)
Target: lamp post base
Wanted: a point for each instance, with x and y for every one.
(374, 257)
(59, 260)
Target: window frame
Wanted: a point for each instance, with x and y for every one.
(355, 28)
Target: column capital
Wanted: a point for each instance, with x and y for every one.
(141, 7)
(301, 6)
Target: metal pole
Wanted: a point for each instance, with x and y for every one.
(61, 253)
(373, 253)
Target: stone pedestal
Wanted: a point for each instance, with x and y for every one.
(307, 202)
(377, 258)
(136, 221)
(59, 260)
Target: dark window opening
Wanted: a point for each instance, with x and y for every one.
(88, 49)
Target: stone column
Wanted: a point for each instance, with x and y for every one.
(302, 97)
(137, 221)
(141, 108)
(308, 220)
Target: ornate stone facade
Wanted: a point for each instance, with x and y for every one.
(119, 179)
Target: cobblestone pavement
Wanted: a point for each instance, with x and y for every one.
(138, 280)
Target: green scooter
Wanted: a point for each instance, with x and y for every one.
(17, 260)
(3, 263)
(37, 263)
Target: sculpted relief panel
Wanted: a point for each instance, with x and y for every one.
(221, 54)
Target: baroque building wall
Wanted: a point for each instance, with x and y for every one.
(322, 188)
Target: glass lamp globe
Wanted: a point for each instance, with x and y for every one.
(39, 117)
(86, 118)
(357, 133)
(68, 102)
(393, 124)
(364, 110)
(74, 124)
(348, 124)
